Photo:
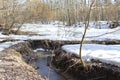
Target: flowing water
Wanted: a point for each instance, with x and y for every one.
(45, 70)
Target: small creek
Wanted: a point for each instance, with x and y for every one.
(44, 69)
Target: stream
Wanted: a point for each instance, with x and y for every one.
(44, 69)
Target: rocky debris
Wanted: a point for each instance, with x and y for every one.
(13, 67)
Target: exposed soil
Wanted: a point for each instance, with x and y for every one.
(69, 64)
(5, 32)
(106, 42)
(23, 48)
(13, 67)
(51, 44)
(34, 60)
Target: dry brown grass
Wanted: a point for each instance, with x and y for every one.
(13, 67)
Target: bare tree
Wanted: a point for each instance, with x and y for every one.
(83, 37)
(11, 15)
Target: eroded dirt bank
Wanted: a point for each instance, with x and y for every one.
(13, 67)
(20, 63)
(69, 64)
(54, 44)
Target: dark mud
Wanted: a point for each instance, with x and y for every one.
(52, 45)
(39, 60)
(69, 64)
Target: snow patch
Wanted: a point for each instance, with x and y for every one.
(39, 49)
(8, 44)
(105, 53)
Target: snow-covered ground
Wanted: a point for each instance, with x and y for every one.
(55, 31)
(105, 53)
(8, 44)
(61, 32)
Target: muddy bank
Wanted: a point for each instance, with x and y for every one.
(37, 60)
(63, 63)
(51, 44)
(24, 48)
(106, 42)
(13, 67)
(69, 64)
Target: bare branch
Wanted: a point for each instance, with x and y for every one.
(83, 37)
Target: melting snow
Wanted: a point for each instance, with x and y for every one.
(8, 44)
(39, 49)
(105, 53)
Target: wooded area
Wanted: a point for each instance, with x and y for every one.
(67, 11)
(60, 39)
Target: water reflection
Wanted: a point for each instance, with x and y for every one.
(46, 71)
